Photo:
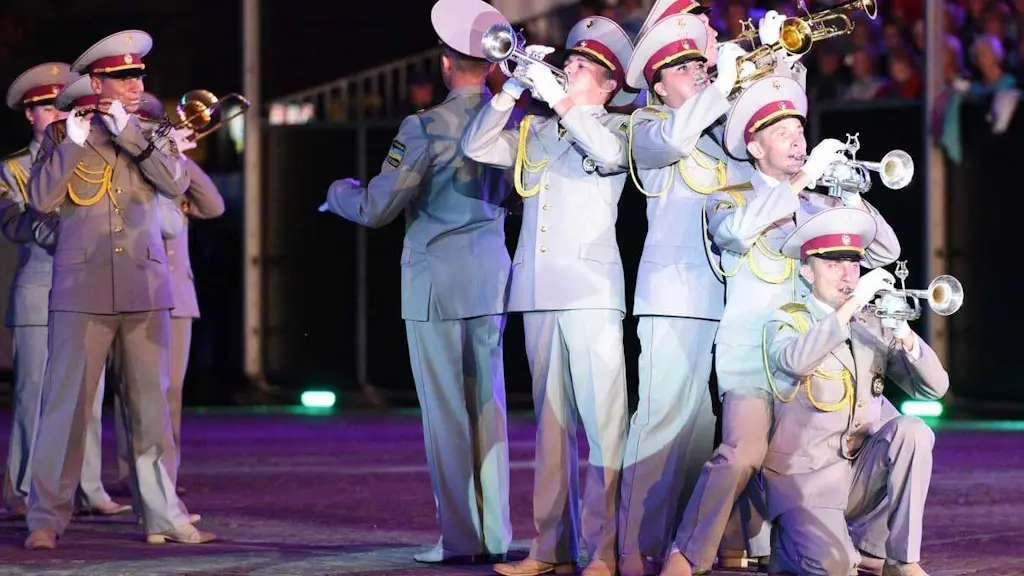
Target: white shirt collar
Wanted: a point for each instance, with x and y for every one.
(818, 308)
(768, 179)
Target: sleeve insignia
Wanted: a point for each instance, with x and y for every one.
(396, 153)
(624, 127)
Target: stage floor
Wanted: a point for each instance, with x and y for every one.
(302, 494)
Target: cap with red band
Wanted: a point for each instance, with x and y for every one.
(460, 24)
(841, 233)
(118, 55)
(77, 94)
(602, 40)
(663, 9)
(38, 85)
(673, 40)
(761, 104)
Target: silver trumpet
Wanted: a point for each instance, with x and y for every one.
(945, 295)
(503, 45)
(895, 169)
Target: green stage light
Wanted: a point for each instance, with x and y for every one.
(318, 399)
(922, 408)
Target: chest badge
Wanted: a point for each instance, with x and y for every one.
(877, 385)
(589, 165)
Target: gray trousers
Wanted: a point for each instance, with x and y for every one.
(728, 487)
(30, 353)
(579, 372)
(459, 373)
(181, 345)
(671, 434)
(890, 481)
(78, 348)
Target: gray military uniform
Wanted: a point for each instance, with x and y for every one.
(455, 270)
(748, 226)
(567, 279)
(838, 465)
(111, 287)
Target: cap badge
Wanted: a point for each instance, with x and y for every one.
(56, 89)
(776, 85)
(782, 105)
(846, 240)
(127, 58)
(129, 39)
(589, 23)
(54, 71)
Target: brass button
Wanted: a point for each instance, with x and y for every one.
(543, 248)
(857, 424)
(117, 190)
(547, 186)
(543, 228)
(545, 207)
(118, 250)
(849, 439)
(860, 403)
(119, 228)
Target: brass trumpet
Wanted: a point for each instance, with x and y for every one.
(87, 111)
(502, 44)
(798, 34)
(200, 111)
(944, 295)
(895, 169)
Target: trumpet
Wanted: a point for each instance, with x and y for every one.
(201, 112)
(96, 110)
(895, 169)
(798, 34)
(944, 295)
(502, 44)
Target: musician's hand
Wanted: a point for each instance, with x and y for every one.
(870, 284)
(78, 127)
(538, 51)
(514, 87)
(116, 118)
(182, 140)
(727, 70)
(545, 86)
(769, 27)
(826, 152)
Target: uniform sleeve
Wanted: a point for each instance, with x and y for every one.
(204, 200)
(736, 227)
(885, 248)
(15, 221)
(487, 140)
(657, 142)
(923, 377)
(54, 166)
(402, 174)
(172, 221)
(796, 355)
(602, 139)
(164, 167)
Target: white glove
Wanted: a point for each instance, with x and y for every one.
(826, 152)
(514, 87)
(961, 85)
(851, 199)
(789, 59)
(544, 84)
(727, 70)
(181, 139)
(347, 182)
(769, 26)
(77, 127)
(870, 284)
(538, 51)
(902, 330)
(746, 69)
(116, 118)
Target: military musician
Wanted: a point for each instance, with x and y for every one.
(676, 163)
(837, 466)
(455, 270)
(567, 279)
(747, 224)
(111, 287)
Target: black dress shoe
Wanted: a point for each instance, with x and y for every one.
(437, 555)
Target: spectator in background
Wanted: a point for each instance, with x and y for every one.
(421, 93)
(865, 83)
(904, 81)
(988, 54)
(828, 82)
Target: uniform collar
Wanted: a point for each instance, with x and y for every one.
(468, 91)
(771, 182)
(818, 308)
(33, 149)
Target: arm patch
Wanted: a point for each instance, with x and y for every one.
(396, 153)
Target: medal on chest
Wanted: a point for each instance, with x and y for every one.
(877, 385)
(589, 165)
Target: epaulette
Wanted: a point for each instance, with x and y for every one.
(796, 310)
(57, 131)
(654, 110)
(17, 154)
(741, 187)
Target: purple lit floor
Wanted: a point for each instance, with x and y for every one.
(295, 494)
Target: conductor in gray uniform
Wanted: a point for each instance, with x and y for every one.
(455, 271)
(111, 287)
(837, 465)
(202, 201)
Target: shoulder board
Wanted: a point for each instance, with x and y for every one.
(17, 154)
(56, 131)
(796, 310)
(741, 187)
(422, 111)
(654, 110)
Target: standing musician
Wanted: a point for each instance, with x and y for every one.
(34, 92)
(837, 465)
(455, 270)
(747, 224)
(111, 287)
(201, 201)
(567, 279)
(679, 299)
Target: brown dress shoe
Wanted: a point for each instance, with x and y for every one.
(41, 539)
(912, 569)
(187, 534)
(676, 565)
(531, 567)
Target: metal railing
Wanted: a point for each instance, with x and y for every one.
(381, 92)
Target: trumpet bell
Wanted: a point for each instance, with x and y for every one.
(498, 42)
(202, 111)
(796, 36)
(945, 295)
(896, 169)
